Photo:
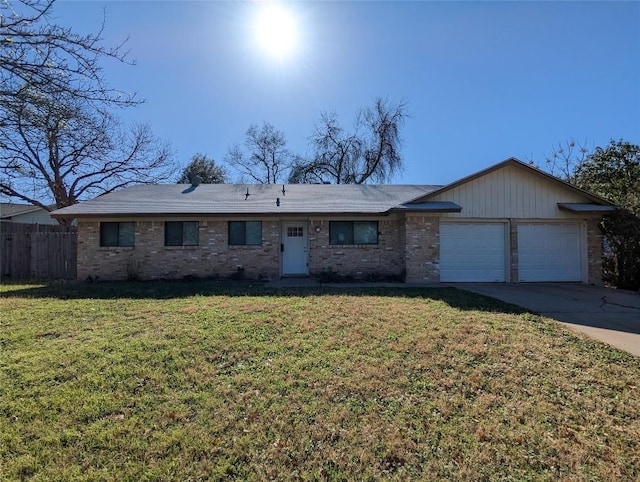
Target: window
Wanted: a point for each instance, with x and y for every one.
(353, 232)
(117, 234)
(181, 233)
(245, 233)
(295, 231)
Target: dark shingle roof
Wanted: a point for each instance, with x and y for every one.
(229, 199)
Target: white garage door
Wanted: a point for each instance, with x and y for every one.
(472, 252)
(549, 252)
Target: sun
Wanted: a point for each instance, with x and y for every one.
(276, 31)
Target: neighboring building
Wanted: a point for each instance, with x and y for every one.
(508, 223)
(24, 214)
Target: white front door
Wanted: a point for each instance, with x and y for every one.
(294, 248)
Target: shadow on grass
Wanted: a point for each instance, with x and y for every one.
(161, 290)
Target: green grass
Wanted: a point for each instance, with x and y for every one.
(209, 381)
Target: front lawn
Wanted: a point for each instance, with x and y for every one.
(206, 381)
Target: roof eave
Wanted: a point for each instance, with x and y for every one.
(587, 209)
(427, 210)
(217, 215)
(20, 213)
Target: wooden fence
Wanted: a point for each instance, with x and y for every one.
(37, 251)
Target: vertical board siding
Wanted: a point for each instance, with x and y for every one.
(509, 193)
(37, 251)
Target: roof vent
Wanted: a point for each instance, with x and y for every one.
(195, 180)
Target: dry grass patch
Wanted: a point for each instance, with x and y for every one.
(194, 381)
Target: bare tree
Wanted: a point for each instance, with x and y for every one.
(204, 169)
(565, 158)
(381, 154)
(58, 140)
(336, 154)
(37, 54)
(56, 146)
(267, 160)
(370, 153)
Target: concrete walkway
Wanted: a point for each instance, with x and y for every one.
(605, 314)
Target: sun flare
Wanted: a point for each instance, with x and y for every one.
(276, 31)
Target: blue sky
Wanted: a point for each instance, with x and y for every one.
(484, 81)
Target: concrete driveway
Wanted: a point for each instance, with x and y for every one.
(605, 314)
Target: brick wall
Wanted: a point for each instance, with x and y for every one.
(408, 247)
(150, 259)
(514, 273)
(422, 248)
(594, 251)
(360, 261)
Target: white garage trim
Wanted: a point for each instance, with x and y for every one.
(551, 252)
(473, 251)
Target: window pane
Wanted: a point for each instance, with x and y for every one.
(236, 232)
(365, 232)
(126, 234)
(108, 234)
(254, 232)
(190, 234)
(341, 232)
(172, 233)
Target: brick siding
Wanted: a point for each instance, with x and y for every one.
(408, 247)
(150, 259)
(360, 261)
(514, 273)
(422, 248)
(594, 251)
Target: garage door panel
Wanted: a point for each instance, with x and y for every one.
(472, 252)
(549, 252)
